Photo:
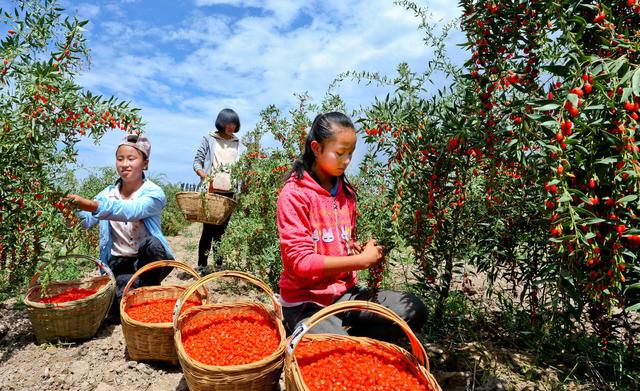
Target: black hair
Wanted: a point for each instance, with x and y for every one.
(225, 117)
(321, 131)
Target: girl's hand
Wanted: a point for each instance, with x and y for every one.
(372, 253)
(82, 203)
(201, 174)
(356, 247)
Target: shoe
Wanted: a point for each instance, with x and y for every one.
(219, 267)
(202, 270)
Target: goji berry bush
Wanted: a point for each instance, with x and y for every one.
(559, 93)
(525, 166)
(43, 115)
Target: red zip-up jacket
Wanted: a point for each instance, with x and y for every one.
(313, 224)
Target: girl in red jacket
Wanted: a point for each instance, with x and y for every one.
(316, 224)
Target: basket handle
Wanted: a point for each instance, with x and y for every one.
(154, 265)
(214, 276)
(101, 266)
(416, 347)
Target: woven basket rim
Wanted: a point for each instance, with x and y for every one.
(197, 194)
(69, 304)
(278, 353)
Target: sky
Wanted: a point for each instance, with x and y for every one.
(182, 61)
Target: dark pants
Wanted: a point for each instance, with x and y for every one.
(123, 268)
(360, 323)
(211, 233)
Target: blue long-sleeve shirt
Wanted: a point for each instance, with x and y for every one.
(147, 207)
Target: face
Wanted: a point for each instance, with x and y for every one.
(130, 163)
(230, 129)
(334, 155)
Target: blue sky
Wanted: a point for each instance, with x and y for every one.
(181, 62)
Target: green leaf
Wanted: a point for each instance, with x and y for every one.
(549, 106)
(635, 307)
(635, 82)
(550, 124)
(626, 92)
(565, 198)
(577, 192)
(617, 65)
(559, 70)
(609, 160)
(628, 198)
(573, 98)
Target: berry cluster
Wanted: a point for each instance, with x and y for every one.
(157, 311)
(71, 294)
(350, 365)
(229, 338)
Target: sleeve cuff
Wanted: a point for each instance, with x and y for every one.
(314, 266)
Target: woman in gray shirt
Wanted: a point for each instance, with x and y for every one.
(217, 152)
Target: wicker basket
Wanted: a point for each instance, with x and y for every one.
(152, 341)
(210, 208)
(78, 319)
(260, 375)
(417, 361)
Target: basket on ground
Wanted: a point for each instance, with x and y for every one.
(210, 208)
(152, 341)
(77, 319)
(416, 363)
(262, 374)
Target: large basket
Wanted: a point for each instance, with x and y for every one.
(260, 375)
(210, 208)
(418, 361)
(78, 319)
(152, 341)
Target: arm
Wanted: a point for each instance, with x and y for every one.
(296, 245)
(130, 210)
(200, 157)
(104, 208)
(87, 219)
(86, 206)
(370, 255)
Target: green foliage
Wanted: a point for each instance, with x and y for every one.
(43, 115)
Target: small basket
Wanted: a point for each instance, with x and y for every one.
(152, 341)
(78, 319)
(209, 208)
(260, 375)
(417, 361)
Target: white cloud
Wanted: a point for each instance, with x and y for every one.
(182, 74)
(87, 10)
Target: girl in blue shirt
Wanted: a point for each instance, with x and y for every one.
(128, 214)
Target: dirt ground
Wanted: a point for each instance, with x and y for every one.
(102, 363)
